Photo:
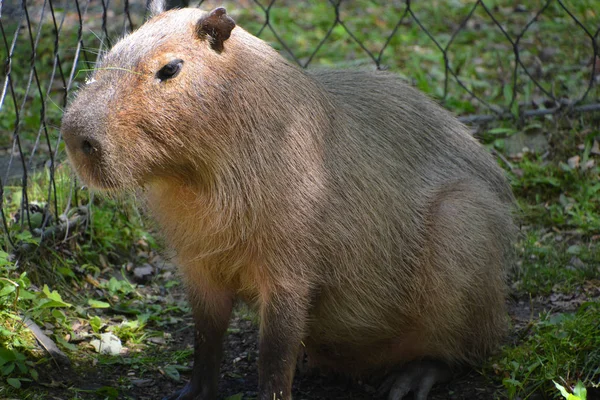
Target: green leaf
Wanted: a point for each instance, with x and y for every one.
(580, 391)
(55, 297)
(22, 367)
(238, 396)
(8, 368)
(96, 323)
(113, 285)
(6, 355)
(26, 295)
(98, 304)
(515, 109)
(172, 283)
(511, 382)
(27, 237)
(66, 271)
(14, 382)
(7, 289)
(34, 374)
(4, 258)
(499, 144)
(111, 392)
(499, 131)
(46, 303)
(533, 125)
(59, 315)
(562, 390)
(65, 344)
(574, 249)
(507, 94)
(172, 372)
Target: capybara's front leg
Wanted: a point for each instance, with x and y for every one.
(283, 323)
(212, 310)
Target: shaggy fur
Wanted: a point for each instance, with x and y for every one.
(358, 217)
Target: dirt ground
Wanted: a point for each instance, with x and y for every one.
(146, 380)
(239, 374)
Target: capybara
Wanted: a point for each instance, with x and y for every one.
(359, 218)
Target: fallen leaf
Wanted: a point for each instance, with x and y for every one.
(142, 382)
(143, 273)
(588, 165)
(98, 304)
(595, 148)
(171, 372)
(573, 162)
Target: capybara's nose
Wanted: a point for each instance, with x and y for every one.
(86, 145)
(79, 133)
(89, 146)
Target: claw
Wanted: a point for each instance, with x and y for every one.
(399, 391)
(417, 377)
(425, 386)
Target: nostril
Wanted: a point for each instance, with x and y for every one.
(88, 147)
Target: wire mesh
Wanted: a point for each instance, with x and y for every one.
(486, 60)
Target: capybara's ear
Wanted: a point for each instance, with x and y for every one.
(217, 25)
(156, 7)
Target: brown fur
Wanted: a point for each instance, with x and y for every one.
(356, 215)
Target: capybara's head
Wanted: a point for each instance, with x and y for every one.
(153, 97)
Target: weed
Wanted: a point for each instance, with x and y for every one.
(559, 345)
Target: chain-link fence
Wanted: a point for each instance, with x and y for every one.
(485, 60)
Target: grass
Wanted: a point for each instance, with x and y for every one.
(559, 345)
(561, 217)
(82, 285)
(76, 267)
(480, 54)
(559, 261)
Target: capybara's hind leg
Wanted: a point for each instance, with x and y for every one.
(469, 248)
(467, 251)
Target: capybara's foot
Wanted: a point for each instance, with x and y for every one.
(417, 377)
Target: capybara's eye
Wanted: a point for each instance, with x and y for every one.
(170, 70)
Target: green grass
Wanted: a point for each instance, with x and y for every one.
(547, 265)
(559, 211)
(561, 216)
(480, 54)
(60, 282)
(558, 257)
(558, 345)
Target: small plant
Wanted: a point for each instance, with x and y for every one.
(16, 296)
(562, 344)
(579, 392)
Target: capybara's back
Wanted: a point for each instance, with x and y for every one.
(414, 232)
